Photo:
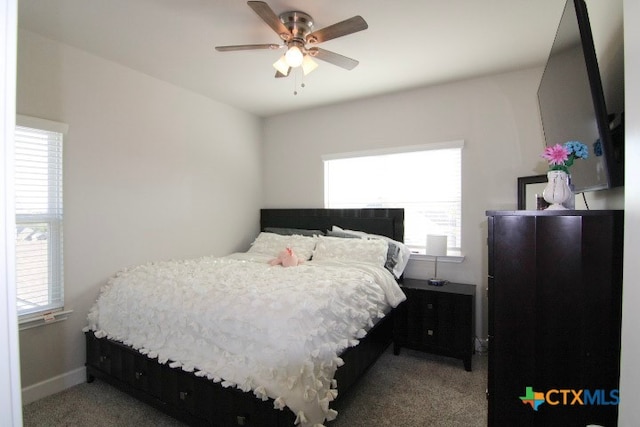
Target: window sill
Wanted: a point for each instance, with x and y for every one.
(457, 259)
(42, 319)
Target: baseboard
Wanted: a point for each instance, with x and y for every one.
(53, 385)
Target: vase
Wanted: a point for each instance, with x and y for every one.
(557, 190)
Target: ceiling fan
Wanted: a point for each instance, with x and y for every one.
(295, 28)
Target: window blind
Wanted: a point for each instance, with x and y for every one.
(39, 219)
(425, 180)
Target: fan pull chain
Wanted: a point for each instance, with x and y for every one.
(295, 84)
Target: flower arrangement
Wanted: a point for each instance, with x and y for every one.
(561, 157)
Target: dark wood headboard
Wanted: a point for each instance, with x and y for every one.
(385, 222)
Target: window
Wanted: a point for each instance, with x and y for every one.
(424, 180)
(39, 215)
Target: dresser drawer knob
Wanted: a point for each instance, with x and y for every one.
(139, 375)
(184, 395)
(430, 332)
(430, 306)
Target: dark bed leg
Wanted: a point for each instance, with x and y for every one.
(90, 378)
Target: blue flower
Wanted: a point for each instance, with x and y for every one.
(577, 148)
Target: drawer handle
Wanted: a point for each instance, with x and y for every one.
(184, 395)
(241, 420)
(430, 306)
(139, 375)
(430, 332)
(104, 359)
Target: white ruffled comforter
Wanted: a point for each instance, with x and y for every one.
(236, 320)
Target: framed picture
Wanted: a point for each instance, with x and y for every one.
(530, 192)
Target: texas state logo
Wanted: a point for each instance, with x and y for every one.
(533, 398)
(580, 397)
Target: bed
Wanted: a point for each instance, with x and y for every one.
(197, 396)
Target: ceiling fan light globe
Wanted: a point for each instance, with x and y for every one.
(294, 57)
(281, 65)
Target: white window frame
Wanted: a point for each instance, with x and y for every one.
(52, 311)
(454, 251)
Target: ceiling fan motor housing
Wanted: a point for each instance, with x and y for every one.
(299, 24)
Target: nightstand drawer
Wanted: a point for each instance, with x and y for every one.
(421, 304)
(421, 333)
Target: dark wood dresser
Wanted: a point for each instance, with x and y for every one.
(555, 296)
(436, 319)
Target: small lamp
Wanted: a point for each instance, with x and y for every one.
(436, 246)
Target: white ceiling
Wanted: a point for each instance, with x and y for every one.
(409, 43)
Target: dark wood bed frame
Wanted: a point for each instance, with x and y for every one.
(201, 402)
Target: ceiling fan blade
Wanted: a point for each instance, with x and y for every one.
(333, 58)
(269, 16)
(272, 46)
(348, 26)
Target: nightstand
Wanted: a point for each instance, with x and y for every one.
(436, 319)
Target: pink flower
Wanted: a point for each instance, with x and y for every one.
(556, 155)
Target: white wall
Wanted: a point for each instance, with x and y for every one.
(151, 172)
(630, 374)
(496, 116)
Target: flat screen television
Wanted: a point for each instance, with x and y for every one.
(572, 104)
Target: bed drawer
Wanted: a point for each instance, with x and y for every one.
(142, 373)
(124, 364)
(217, 406)
(182, 390)
(104, 357)
(197, 401)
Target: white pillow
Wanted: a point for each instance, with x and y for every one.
(272, 244)
(396, 266)
(362, 250)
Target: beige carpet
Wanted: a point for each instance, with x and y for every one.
(413, 389)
